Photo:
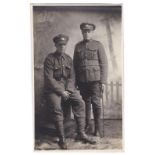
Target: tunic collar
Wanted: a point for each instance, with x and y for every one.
(59, 55)
(86, 41)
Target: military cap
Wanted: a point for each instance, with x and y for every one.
(87, 26)
(61, 39)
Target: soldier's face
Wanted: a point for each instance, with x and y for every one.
(87, 34)
(60, 48)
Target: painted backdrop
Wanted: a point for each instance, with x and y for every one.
(49, 21)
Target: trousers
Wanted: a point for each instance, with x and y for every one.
(56, 104)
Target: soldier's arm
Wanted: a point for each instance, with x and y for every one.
(48, 74)
(75, 63)
(103, 63)
(71, 79)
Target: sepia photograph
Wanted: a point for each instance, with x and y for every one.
(78, 76)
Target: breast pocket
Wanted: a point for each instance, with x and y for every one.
(57, 72)
(67, 71)
(91, 54)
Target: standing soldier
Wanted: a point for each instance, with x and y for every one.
(59, 87)
(90, 63)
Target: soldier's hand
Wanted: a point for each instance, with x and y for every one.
(66, 95)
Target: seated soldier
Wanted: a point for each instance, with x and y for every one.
(59, 87)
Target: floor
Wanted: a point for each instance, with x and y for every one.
(46, 139)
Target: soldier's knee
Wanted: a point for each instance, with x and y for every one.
(82, 105)
(95, 98)
(96, 102)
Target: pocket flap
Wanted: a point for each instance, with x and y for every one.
(57, 68)
(96, 68)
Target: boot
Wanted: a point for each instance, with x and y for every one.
(88, 125)
(62, 141)
(81, 133)
(88, 117)
(98, 128)
(85, 139)
(98, 124)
